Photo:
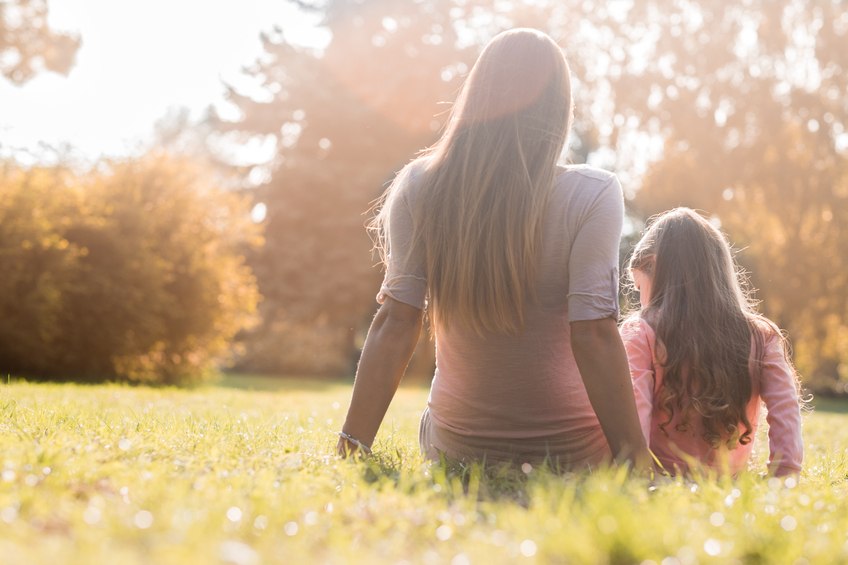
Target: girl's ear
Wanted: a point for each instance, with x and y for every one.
(649, 266)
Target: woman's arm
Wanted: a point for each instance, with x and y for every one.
(593, 310)
(388, 348)
(602, 361)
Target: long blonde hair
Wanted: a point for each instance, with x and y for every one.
(486, 182)
(704, 322)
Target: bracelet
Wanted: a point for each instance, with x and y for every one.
(350, 439)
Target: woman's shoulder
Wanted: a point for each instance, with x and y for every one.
(418, 166)
(583, 182)
(587, 176)
(407, 182)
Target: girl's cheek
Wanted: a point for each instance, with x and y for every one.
(643, 284)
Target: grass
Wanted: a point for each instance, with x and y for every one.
(112, 474)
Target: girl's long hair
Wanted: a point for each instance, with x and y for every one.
(485, 183)
(704, 321)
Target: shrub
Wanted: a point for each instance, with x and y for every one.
(133, 271)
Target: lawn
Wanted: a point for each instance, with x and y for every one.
(113, 474)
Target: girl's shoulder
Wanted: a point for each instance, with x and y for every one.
(637, 331)
(764, 330)
(635, 326)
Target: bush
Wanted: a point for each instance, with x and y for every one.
(133, 271)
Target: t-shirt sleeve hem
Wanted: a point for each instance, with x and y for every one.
(587, 305)
(410, 296)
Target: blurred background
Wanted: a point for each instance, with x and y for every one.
(183, 185)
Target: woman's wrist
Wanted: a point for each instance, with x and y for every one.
(349, 444)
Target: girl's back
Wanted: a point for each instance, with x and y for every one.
(678, 442)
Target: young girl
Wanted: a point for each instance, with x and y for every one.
(701, 358)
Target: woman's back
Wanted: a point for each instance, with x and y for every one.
(524, 387)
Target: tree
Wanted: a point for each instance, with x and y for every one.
(749, 100)
(341, 131)
(738, 110)
(345, 119)
(28, 45)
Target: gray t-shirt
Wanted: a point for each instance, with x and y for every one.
(513, 396)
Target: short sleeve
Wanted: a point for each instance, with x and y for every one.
(637, 340)
(779, 391)
(406, 278)
(593, 263)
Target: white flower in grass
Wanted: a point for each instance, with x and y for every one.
(143, 519)
(291, 528)
(712, 547)
(237, 553)
(528, 548)
(234, 514)
(789, 523)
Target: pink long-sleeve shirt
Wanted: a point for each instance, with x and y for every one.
(776, 387)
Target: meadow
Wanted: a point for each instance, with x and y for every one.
(245, 476)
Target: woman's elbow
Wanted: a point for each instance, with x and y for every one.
(592, 333)
(399, 318)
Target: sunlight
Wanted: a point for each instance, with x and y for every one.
(258, 213)
(137, 61)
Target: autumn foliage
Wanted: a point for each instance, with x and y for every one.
(132, 271)
(735, 109)
(738, 110)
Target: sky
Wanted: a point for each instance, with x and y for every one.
(137, 62)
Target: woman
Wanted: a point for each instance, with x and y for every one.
(516, 260)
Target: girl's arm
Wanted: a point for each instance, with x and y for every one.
(640, 358)
(779, 391)
(388, 348)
